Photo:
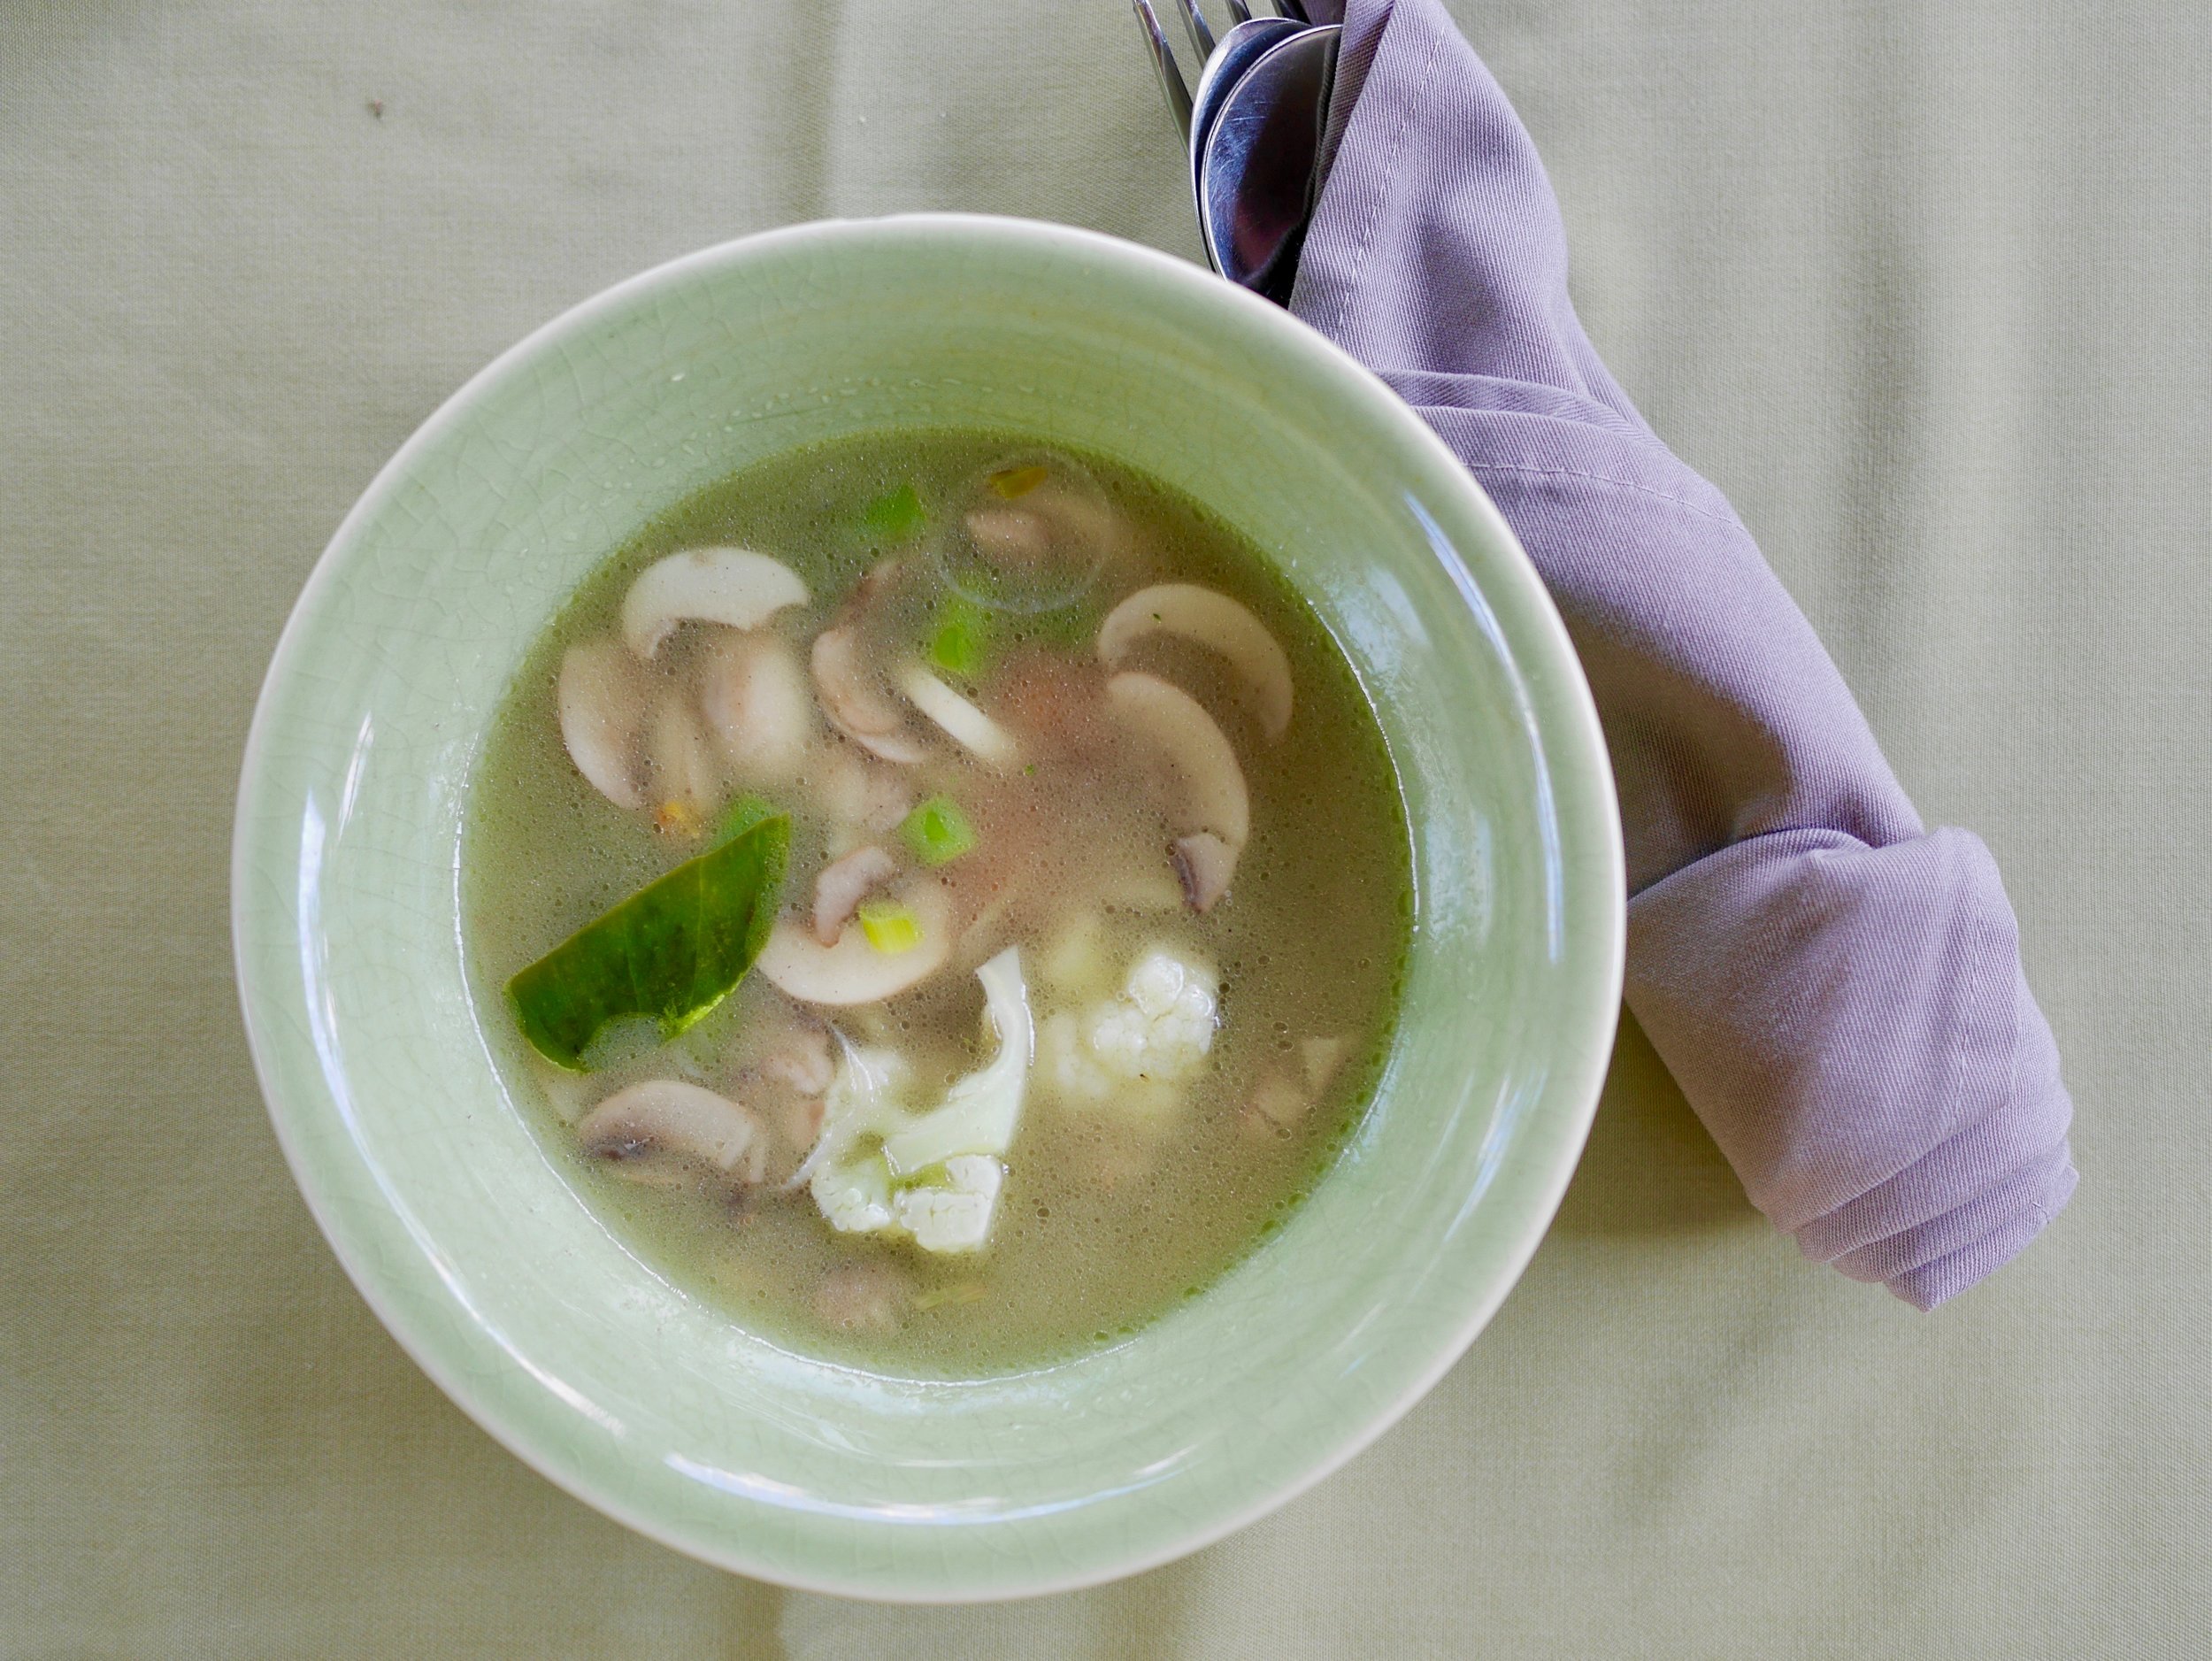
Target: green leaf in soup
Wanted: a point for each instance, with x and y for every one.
(668, 954)
(893, 516)
(741, 815)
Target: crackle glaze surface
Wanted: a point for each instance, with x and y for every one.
(469, 1242)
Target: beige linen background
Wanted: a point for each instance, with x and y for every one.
(1922, 285)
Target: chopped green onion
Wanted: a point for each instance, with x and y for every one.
(895, 516)
(961, 643)
(891, 927)
(937, 831)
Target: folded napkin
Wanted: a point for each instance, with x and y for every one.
(1837, 989)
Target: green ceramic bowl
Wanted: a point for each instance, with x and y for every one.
(468, 1240)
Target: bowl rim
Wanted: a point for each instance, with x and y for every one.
(1575, 725)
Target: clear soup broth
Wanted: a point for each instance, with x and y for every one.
(1058, 751)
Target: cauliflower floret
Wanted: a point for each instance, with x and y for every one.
(874, 1168)
(981, 1110)
(1162, 1024)
(956, 1214)
(1137, 1048)
(855, 1198)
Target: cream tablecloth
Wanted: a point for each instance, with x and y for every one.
(1922, 287)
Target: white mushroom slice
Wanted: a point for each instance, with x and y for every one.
(973, 729)
(1275, 1105)
(872, 1296)
(754, 696)
(855, 706)
(1207, 803)
(1323, 1056)
(1076, 515)
(1281, 1100)
(1217, 622)
(841, 885)
(857, 793)
(639, 1129)
(853, 971)
(733, 586)
(802, 1061)
(1142, 891)
(1011, 533)
(601, 700)
(1203, 865)
(683, 771)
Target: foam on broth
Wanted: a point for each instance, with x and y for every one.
(1107, 1219)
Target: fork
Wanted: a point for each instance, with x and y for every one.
(1253, 125)
(1202, 37)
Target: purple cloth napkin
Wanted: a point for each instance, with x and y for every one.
(1837, 989)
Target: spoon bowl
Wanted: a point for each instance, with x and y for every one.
(1255, 172)
(1240, 48)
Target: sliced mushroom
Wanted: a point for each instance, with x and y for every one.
(733, 586)
(856, 706)
(1011, 533)
(1217, 622)
(1323, 1056)
(1207, 803)
(1151, 889)
(754, 696)
(684, 779)
(642, 1130)
(855, 792)
(872, 1296)
(974, 730)
(802, 1061)
(853, 971)
(849, 693)
(789, 1069)
(601, 701)
(1275, 1105)
(842, 884)
(1203, 865)
(802, 1066)
(1078, 512)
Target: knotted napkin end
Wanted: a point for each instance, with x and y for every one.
(1853, 1025)
(1936, 1260)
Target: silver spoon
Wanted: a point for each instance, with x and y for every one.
(1240, 48)
(1255, 175)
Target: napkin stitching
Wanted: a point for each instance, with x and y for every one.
(1390, 177)
(1683, 503)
